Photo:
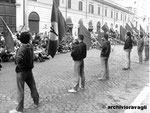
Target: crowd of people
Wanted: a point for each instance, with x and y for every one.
(142, 43)
(30, 48)
(40, 44)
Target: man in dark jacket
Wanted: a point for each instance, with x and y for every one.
(78, 54)
(127, 48)
(105, 52)
(24, 61)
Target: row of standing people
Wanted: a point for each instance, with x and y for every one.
(141, 43)
(24, 60)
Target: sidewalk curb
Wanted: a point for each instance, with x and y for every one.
(138, 100)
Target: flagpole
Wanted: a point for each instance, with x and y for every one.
(23, 12)
(86, 9)
(8, 35)
(114, 18)
(98, 42)
(6, 26)
(102, 13)
(66, 8)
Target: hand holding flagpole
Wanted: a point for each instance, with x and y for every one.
(98, 42)
(53, 31)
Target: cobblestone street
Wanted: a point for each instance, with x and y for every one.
(55, 76)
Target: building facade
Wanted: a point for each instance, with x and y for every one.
(8, 13)
(142, 16)
(36, 14)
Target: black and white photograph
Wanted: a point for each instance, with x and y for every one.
(74, 56)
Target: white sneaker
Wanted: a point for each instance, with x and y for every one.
(72, 91)
(15, 111)
(36, 106)
(82, 88)
(100, 78)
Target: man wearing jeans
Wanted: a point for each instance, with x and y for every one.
(127, 48)
(105, 52)
(78, 54)
(24, 61)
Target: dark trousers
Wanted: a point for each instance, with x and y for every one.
(79, 74)
(27, 77)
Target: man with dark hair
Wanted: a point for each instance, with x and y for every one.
(78, 54)
(24, 61)
(127, 48)
(105, 52)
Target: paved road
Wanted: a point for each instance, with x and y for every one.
(55, 76)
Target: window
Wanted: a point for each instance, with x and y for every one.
(121, 16)
(10, 20)
(1, 28)
(7, 19)
(69, 4)
(117, 16)
(13, 20)
(91, 8)
(99, 10)
(128, 18)
(105, 12)
(13, 1)
(111, 14)
(8, 1)
(125, 17)
(80, 6)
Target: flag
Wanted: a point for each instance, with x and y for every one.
(8, 36)
(135, 30)
(132, 25)
(122, 33)
(62, 26)
(100, 35)
(128, 28)
(99, 39)
(87, 36)
(58, 30)
(112, 30)
(142, 30)
(105, 28)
